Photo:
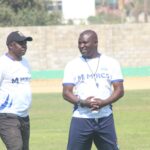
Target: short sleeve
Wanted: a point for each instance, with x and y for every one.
(116, 72)
(1, 74)
(68, 75)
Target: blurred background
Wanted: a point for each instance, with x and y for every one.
(122, 26)
(62, 12)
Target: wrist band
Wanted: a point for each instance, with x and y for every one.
(79, 103)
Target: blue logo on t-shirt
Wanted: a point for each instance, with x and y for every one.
(82, 77)
(18, 80)
(7, 103)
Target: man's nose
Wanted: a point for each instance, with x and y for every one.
(82, 45)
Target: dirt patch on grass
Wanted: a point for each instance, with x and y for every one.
(137, 83)
(46, 86)
(55, 85)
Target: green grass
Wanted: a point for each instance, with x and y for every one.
(50, 118)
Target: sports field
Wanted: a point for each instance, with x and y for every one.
(50, 118)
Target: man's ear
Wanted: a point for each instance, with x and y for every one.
(96, 43)
(10, 46)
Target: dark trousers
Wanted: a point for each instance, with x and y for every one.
(83, 132)
(15, 131)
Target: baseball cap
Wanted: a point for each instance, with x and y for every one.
(17, 36)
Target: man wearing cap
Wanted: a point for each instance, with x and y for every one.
(15, 93)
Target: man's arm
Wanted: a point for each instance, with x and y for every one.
(70, 97)
(118, 92)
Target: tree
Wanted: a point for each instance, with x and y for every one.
(145, 10)
(26, 13)
(138, 7)
(16, 5)
(6, 16)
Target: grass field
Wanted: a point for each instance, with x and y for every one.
(50, 118)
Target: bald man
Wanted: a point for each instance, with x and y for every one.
(92, 83)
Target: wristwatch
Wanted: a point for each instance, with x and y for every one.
(80, 103)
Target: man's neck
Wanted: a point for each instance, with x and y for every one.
(94, 56)
(13, 57)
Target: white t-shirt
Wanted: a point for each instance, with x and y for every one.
(15, 91)
(92, 77)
